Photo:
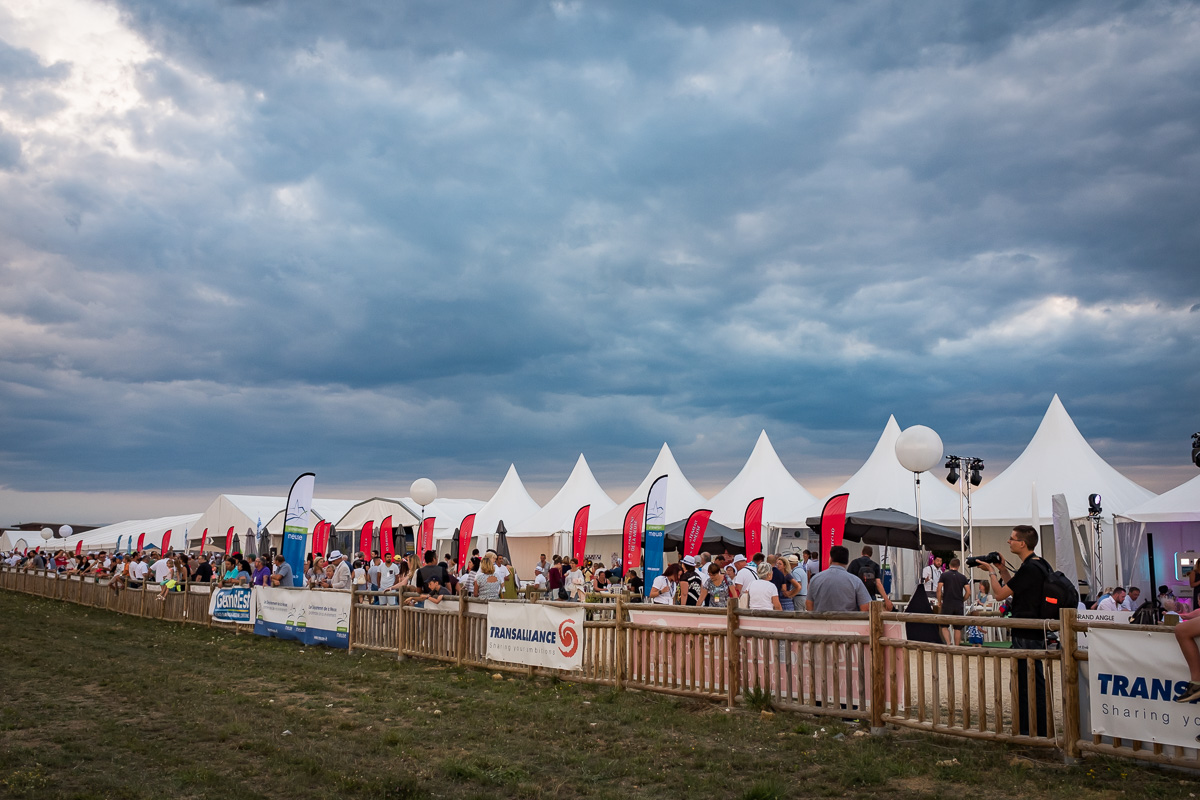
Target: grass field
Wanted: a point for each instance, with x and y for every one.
(98, 705)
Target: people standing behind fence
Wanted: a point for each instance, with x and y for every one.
(1026, 588)
(385, 576)
(690, 581)
(433, 592)
(931, 575)
(744, 574)
(952, 592)
(341, 578)
(866, 569)
(800, 576)
(466, 582)
(662, 591)
(555, 582)
(282, 576)
(488, 584)
(785, 586)
(835, 589)
(574, 582)
(714, 592)
(138, 570)
(262, 573)
(600, 580)
(761, 593)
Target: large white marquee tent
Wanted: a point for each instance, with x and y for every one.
(548, 531)
(763, 475)
(1174, 520)
(106, 538)
(511, 504)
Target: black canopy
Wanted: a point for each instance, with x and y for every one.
(717, 538)
(892, 528)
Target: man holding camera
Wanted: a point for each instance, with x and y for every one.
(1025, 587)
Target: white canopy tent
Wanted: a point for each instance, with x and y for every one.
(1057, 460)
(106, 538)
(511, 504)
(548, 531)
(248, 514)
(682, 500)
(883, 482)
(763, 475)
(1174, 520)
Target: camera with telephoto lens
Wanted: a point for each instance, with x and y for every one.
(991, 558)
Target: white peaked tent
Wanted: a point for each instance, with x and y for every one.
(544, 531)
(604, 537)
(106, 538)
(242, 512)
(883, 482)
(763, 475)
(377, 509)
(1057, 460)
(1174, 519)
(511, 504)
(448, 513)
(323, 510)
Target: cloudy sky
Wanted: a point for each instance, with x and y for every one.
(385, 240)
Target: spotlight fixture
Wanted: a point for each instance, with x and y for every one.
(1094, 508)
(976, 468)
(952, 464)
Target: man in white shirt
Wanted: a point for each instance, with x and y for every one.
(931, 575)
(1114, 601)
(137, 572)
(386, 575)
(1131, 599)
(341, 571)
(745, 575)
(162, 570)
(539, 578)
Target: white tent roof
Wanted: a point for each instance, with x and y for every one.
(106, 538)
(1181, 504)
(882, 482)
(247, 512)
(323, 510)
(763, 475)
(378, 509)
(1060, 461)
(682, 498)
(510, 504)
(580, 489)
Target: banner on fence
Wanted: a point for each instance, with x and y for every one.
(535, 634)
(233, 604)
(1099, 616)
(1135, 678)
(303, 615)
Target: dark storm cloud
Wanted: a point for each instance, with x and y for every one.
(441, 240)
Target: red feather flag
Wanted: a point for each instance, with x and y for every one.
(228, 539)
(752, 526)
(579, 533)
(79, 547)
(367, 538)
(465, 529)
(833, 525)
(693, 533)
(166, 541)
(387, 546)
(321, 538)
(425, 538)
(141, 541)
(631, 537)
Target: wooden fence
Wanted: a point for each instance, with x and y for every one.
(855, 665)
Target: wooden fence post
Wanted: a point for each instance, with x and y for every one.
(620, 632)
(142, 600)
(350, 622)
(462, 627)
(400, 629)
(731, 651)
(1069, 639)
(878, 667)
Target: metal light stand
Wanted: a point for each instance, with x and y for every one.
(1097, 532)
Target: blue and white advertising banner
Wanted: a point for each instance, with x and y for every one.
(536, 634)
(1100, 616)
(656, 531)
(232, 604)
(1135, 678)
(303, 615)
(295, 525)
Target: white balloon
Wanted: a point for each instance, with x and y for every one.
(47, 533)
(919, 448)
(65, 531)
(423, 491)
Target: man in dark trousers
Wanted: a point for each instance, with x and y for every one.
(1026, 588)
(952, 591)
(866, 569)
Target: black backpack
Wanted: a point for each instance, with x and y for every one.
(1058, 592)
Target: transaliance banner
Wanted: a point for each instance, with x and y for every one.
(231, 604)
(752, 526)
(1135, 677)
(693, 532)
(579, 533)
(303, 615)
(833, 525)
(535, 634)
(631, 533)
(465, 529)
(656, 531)
(295, 525)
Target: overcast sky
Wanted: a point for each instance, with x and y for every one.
(390, 240)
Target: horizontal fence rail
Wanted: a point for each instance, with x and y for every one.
(852, 665)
